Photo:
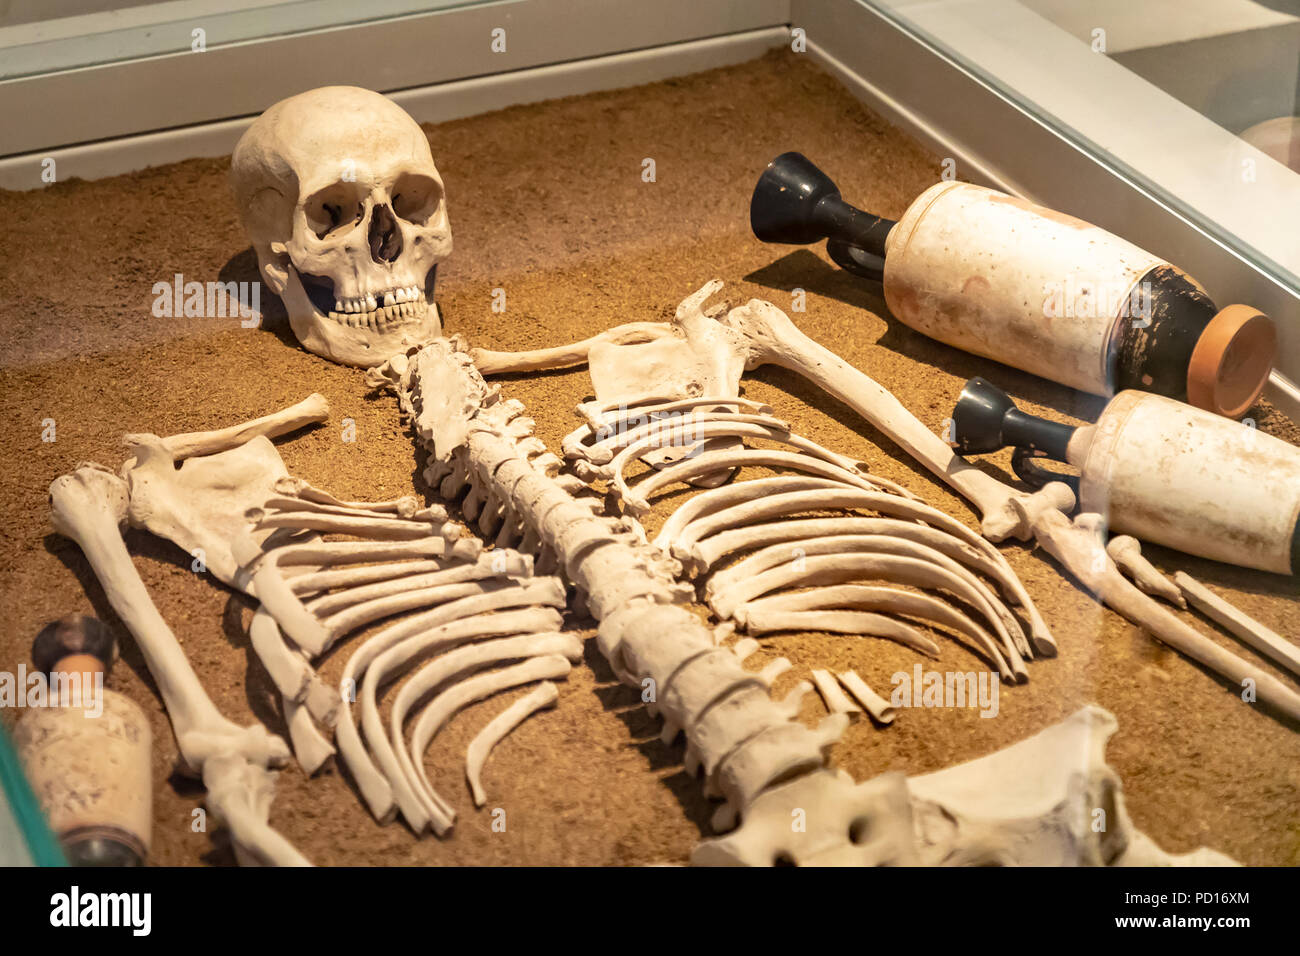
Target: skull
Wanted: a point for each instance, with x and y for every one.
(337, 190)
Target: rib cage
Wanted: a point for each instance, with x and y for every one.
(514, 492)
(814, 531)
(418, 587)
(481, 447)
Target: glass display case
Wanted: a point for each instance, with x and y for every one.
(49, 36)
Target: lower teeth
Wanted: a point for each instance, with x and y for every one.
(387, 315)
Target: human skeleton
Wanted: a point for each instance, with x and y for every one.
(470, 621)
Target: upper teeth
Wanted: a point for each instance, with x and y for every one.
(373, 301)
(408, 294)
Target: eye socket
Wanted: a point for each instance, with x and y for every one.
(334, 208)
(416, 197)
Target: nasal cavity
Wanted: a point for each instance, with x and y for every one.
(385, 236)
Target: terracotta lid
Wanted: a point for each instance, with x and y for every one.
(1232, 361)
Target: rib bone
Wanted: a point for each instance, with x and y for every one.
(837, 702)
(708, 552)
(838, 568)
(375, 786)
(468, 432)
(881, 710)
(522, 621)
(976, 592)
(543, 696)
(442, 707)
(780, 611)
(638, 500)
(386, 667)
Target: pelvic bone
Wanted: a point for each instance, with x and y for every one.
(1049, 800)
(339, 195)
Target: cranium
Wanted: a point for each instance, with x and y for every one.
(338, 192)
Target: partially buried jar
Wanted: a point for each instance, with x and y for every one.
(87, 750)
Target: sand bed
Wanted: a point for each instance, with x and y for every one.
(547, 203)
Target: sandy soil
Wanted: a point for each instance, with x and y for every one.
(547, 202)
